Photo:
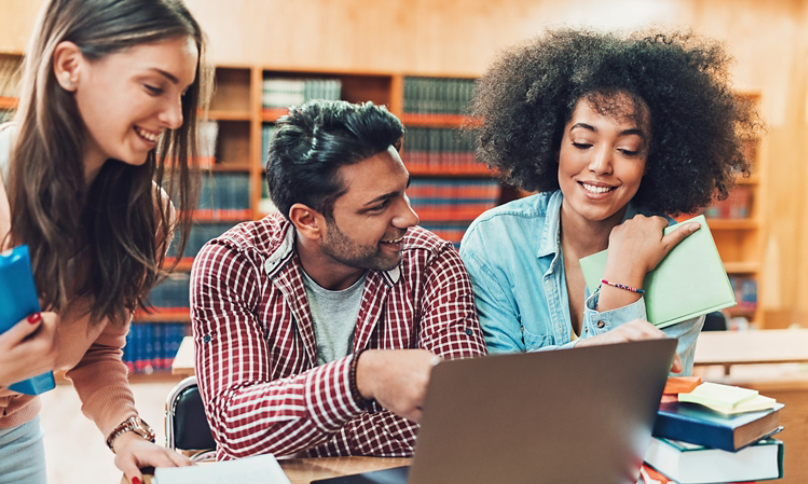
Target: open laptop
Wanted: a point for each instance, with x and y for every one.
(579, 416)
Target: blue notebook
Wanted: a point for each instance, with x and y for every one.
(18, 300)
(693, 423)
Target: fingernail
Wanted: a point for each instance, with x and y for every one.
(694, 227)
(35, 318)
(135, 480)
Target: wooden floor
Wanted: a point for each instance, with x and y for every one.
(74, 447)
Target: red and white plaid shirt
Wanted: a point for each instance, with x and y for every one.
(255, 349)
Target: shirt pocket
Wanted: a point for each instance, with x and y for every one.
(535, 341)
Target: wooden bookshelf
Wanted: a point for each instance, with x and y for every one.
(732, 224)
(740, 241)
(9, 102)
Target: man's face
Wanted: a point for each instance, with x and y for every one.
(370, 219)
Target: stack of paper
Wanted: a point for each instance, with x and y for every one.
(249, 470)
(727, 399)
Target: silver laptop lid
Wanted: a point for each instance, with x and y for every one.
(563, 416)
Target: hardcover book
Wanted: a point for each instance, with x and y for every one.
(696, 464)
(696, 424)
(18, 300)
(689, 282)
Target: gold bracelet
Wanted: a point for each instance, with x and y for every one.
(133, 424)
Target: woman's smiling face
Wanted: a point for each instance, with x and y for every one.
(602, 157)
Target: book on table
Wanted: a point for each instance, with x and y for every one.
(693, 423)
(687, 463)
(689, 282)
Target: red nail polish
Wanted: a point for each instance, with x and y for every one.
(135, 480)
(35, 318)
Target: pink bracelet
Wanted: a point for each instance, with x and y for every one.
(621, 286)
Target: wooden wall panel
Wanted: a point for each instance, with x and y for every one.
(768, 39)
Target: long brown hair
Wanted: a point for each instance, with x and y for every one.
(109, 226)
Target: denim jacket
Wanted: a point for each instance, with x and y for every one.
(513, 254)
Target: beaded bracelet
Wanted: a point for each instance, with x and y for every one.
(355, 393)
(621, 286)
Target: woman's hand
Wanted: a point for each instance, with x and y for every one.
(636, 247)
(133, 452)
(639, 243)
(637, 330)
(28, 348)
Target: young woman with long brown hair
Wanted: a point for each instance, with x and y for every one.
(109, 100)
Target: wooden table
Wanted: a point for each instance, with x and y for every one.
(303, 471)
(727, 348)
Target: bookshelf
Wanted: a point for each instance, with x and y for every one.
(739, 229)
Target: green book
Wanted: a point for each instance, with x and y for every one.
(690, 280)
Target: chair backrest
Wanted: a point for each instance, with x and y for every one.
(186, 426)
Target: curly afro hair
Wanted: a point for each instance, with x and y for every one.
(698, 125)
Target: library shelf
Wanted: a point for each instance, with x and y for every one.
(271, 115)
(184, 265)
(743, 267)
(163, 316)
(437, 120)
(229, 115)
(471, 171)
(9, 102)
(227, 167)
(732, 224)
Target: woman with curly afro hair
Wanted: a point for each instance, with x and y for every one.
(615, 133)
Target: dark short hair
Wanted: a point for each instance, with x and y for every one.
(697, 124)
(314, 140)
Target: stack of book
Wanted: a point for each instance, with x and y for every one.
(715, 433)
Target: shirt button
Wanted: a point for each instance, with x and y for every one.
(601, 324)
(468, 331)
(206, 338)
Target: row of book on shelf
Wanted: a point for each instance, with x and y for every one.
(422, 95)
(224, 196)
(737, 205)
(151, 347)
(429, 95)
(428, 148)
(745, 289)
(712, 433)
(285, 92)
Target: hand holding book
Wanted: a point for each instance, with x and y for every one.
(27, 349)
(688, 282)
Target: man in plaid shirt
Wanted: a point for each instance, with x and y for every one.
(316, 328)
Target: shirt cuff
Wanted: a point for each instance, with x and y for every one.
(328, 395)
(600, 322)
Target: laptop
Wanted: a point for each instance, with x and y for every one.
(579, 415)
